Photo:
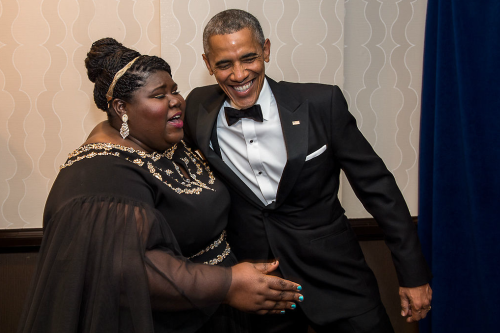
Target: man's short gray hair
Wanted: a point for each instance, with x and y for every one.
(231, 21)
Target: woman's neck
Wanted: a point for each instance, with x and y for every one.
(105, 133)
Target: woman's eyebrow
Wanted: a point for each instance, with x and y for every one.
(161, 87)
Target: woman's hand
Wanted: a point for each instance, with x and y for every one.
(253, 291)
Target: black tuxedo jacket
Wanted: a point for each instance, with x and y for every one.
(306, 228)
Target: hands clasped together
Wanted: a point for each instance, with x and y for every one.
(253, 291)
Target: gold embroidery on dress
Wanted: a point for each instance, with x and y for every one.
(192, 186)
(138, 161)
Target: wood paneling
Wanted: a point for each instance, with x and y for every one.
(365, 229)
(16, 270)
(18, 264)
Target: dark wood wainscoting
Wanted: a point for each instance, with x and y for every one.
(16, 269)
(366, 229)
(19, 252)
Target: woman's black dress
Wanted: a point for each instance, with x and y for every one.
(118, 227)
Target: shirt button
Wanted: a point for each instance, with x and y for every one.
(251, 141)
(260, 172)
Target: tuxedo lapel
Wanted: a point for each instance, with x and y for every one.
(207, 118)
(206, 122)
(294, 118)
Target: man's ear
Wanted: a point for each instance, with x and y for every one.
(207, 63)
(267, 50)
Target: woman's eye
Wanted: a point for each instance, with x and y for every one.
(176, 92)
(160, 96)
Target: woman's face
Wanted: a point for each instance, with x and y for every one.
(156, 113)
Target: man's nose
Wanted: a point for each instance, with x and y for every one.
(239, 72)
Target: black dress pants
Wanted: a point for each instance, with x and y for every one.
(294, 321)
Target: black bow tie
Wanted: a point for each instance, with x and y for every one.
(233, 115)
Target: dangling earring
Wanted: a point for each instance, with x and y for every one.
(124, 131)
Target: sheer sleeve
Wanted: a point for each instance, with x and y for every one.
(112, 264)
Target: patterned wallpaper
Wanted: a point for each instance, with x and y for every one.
(46, 102)
(371, 48)
(384, 42)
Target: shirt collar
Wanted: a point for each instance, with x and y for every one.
(265, 100)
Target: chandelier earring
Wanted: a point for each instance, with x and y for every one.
(124, 130)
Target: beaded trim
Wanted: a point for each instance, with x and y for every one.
(191, 186)
(78, 153)
(220, 257)
(211, 246)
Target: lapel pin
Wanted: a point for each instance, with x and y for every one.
(296, 122)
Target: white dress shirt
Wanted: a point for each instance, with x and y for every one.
(255, 151)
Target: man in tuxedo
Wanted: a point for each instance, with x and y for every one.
(280, 148)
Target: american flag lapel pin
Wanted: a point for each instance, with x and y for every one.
(296, 122)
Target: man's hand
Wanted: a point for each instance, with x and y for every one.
(415, 302)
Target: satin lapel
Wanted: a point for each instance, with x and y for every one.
(294, 118)
(207, 119)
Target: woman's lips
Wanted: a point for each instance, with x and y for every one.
(176, 123)
(176, 120)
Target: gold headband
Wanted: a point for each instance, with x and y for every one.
(118, 75)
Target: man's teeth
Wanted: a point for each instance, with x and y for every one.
(243, 87)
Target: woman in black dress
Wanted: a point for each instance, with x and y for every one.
(134, 224)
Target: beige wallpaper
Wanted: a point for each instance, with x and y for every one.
(383, 76)
(371, 48)
(46, 101)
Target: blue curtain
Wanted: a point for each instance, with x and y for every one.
(459, 194)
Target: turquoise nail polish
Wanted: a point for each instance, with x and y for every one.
(299, 288)
(294, 306)
(282, 311)
(301, 298)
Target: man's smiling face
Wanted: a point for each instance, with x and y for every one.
(237, 61)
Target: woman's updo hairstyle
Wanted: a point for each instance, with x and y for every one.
(106, 57)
